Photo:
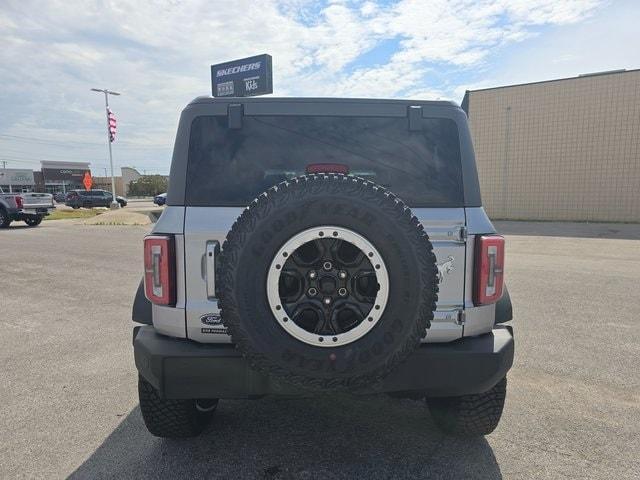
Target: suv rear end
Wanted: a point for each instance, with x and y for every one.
(227, 153)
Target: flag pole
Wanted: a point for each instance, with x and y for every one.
(114, 203)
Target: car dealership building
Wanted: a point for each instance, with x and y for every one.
(566, 149)
(55, 177)
(16, 180)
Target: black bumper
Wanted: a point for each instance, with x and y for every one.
(185, 369)
(19, 215)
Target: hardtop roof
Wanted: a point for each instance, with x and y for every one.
(212, 100)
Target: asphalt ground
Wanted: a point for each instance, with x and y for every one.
(68, 401)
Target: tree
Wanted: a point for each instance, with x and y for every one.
(148, 185)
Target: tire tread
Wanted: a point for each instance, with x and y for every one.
(169, 418)
(470, 415)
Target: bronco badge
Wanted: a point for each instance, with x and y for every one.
(445, 268)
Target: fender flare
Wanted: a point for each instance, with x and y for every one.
(504, 310)
(141, 312)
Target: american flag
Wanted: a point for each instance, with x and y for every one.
(112, 125)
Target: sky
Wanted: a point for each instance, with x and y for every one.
(158, 53)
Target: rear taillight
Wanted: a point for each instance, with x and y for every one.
(489, 269)
(159, 269)
(19, 202)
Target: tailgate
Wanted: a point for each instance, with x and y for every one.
(446, 230)
(36, 200)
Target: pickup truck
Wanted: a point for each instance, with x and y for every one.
(30, 208)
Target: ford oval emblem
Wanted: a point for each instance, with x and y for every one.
(211, 319)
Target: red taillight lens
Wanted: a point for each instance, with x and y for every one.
(159, 270)
(327, 168)
(489, 269)
(19, 202)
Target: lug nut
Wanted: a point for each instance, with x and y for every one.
(327, 265)
(312, 274)
(343, 275)
(327, 300)
(312, 292)
(342, 292)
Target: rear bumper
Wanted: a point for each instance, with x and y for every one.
(32, 210)
(181, 368)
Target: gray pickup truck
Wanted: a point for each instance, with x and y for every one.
(312, 246)
(29, 208)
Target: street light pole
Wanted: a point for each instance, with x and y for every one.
(114, 203)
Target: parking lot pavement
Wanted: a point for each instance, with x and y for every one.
(68, 403)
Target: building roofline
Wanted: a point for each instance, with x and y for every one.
(63, 164)
(578, 77)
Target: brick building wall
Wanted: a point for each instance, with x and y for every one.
(560, 150)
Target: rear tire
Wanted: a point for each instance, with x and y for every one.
(173, 418)
(5, 220)
(33, 221)
(469, 415)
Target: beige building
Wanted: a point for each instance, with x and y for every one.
(104, 183)
(129, 174)
(565, 149)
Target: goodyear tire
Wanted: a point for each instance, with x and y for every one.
(327, 282)
(470, 415)
(173, 418)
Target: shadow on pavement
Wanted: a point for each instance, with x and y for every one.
(17, 225)
(625, 231)
(328, 438)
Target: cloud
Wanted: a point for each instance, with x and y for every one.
(158, 53)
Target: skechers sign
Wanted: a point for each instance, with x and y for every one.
(246, 77)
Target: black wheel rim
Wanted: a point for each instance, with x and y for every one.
(328, 286)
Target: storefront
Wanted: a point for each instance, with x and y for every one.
(16, 180)
(63, 176)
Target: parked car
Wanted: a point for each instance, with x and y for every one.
(30, 208)
(321, 246)
(160, 199)
(92, 198)
(59, 197)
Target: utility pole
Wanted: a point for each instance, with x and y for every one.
(114, 203)
(4, 167)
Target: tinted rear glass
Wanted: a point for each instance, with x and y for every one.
(230, 167)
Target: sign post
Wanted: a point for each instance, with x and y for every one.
(246, 77)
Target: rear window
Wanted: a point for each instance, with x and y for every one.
(230, 167)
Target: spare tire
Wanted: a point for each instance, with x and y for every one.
(327, 281)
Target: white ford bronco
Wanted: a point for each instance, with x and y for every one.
(313, 246)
